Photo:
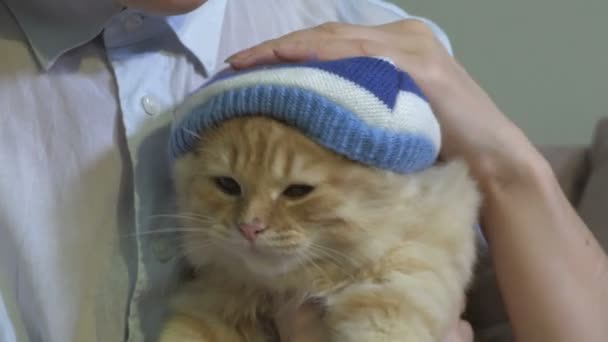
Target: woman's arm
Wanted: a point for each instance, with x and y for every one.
(551, 271)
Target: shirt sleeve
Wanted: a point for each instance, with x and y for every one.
(376, 12)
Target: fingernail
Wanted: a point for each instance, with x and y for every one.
(231, 58)
(239, 57)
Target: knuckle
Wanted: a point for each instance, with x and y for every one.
(421, 34)
(416, 26)
(364, 47)
(433, 71)
(333, 28)
(427, 45)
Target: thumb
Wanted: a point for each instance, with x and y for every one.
(301, 325)
(461, 331)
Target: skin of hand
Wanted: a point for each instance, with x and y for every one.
(305, 325)
(473, 127)
(552, 273)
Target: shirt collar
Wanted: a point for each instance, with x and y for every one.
(53, 28)
(200, 31)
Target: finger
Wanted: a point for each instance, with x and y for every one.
(265, 52)
(326, 50)
(410, 62)
(410, 26)
(403, 51)
(465, 331)
(298, 50)
(332, 49)
(460, 331)
(407, 36)
(302, 325)
(258, 54)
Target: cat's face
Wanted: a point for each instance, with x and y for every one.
(262, 196)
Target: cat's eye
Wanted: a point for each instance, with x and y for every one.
(228, 185)
(296, 191)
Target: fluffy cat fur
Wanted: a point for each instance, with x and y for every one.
(390, 255)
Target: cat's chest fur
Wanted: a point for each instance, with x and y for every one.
(269, 296)
(240, 294)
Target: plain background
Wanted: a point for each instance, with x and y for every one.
(545, 62)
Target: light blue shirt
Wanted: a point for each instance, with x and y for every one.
(87, 92)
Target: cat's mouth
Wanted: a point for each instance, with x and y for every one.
(265, 250)
(267, 261)
(271, 251)
(260, 251)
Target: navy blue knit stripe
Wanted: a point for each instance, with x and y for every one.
(323, 121)
(377, 76)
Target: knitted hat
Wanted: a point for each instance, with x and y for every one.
(363, 108)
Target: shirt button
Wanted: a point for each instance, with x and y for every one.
(151, 105)
(133, 22)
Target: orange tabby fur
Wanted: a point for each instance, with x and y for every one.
(391, 255)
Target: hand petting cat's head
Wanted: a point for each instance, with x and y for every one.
(268, 201)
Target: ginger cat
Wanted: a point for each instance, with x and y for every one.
(281, 220)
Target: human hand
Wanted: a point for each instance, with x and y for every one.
(305, 325)
(460, 331)
(473, 128)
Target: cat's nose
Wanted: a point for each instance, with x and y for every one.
(251, 230)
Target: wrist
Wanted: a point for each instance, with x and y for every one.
(516, 183)
(499, 170)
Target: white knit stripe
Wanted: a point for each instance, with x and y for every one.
(386, 59)
(343, 92)
(414, 114)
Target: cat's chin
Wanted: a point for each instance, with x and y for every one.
(265, 263)
(246, 261)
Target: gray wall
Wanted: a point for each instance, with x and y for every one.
(545, 62)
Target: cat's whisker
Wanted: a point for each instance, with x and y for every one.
(223, 239)
(347, 258)
(328, 257)
(199, 215)
(355, 260)
(196, 244)
(310, 257)
(177, 215)
(200, 230)
(328, 260)
(301, 261)
(183, 216)
(341, 266)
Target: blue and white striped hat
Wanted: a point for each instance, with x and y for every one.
(363, 108)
